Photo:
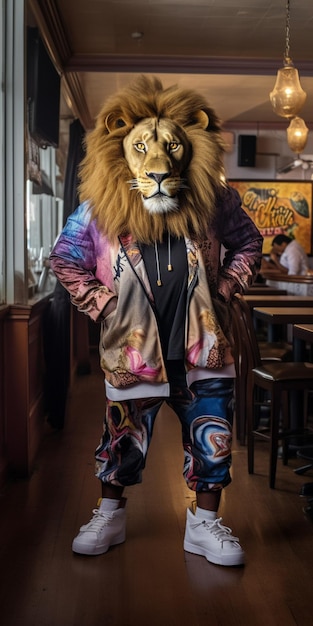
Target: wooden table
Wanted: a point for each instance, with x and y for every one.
(293, 284)
(260, 300)
(269, 291)
(282, 316)
(304, 332)
(302, 335)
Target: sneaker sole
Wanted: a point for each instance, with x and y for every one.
(227, 560)
(81, 548)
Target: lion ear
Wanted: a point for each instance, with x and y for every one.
(113, 121)
(202, 118)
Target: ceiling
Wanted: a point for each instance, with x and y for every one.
(229, 50)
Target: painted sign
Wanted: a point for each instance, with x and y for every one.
(278, 207)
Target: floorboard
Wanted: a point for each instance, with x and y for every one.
(149, 580)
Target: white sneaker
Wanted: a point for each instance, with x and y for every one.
(212, 540)
(105, 529)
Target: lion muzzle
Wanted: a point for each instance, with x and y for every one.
(156, 155)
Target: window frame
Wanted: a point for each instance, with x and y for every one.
(15, 162)
(2, 153)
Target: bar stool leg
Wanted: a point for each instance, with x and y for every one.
(250, 425)
(275, 417)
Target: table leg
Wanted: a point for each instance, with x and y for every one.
(275, 332)
(299, 349)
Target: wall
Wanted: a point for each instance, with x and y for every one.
(272, 152)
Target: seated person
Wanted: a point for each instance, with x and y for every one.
(288, 256)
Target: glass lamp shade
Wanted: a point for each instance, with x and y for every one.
(287, 97)
(297, 135)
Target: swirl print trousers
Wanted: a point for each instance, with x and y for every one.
(205, 411)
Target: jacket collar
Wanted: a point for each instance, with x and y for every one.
(132, 251)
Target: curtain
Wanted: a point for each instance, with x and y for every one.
(57, 317)
(75, 155)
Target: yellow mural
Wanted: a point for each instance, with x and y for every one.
(278, 207)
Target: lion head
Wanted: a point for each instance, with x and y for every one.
(154, 163)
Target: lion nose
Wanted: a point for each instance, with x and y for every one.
(158, 177)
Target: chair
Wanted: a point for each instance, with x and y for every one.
(276, 378)
(276, 351)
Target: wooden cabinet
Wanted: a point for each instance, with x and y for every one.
(3, 448)
(24, 377)
(26, 331)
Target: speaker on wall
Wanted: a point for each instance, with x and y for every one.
(246, 150)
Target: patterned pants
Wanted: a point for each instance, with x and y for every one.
(205, 411)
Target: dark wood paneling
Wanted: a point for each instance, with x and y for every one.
(3, 452)
(24, 385)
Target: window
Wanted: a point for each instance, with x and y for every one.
(2, 154)
(16, 290)
(44, 217)
(31, 209)
(44, 189)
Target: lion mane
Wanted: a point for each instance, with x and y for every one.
(105, 174)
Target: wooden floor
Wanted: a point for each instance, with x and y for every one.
(149, 580)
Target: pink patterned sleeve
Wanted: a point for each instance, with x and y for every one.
(74, 262)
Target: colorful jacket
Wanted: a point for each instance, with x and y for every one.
(94, 271)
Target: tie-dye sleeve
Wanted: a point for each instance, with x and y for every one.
(74, 260)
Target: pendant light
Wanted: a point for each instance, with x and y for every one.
(287, 97)
(297, 135)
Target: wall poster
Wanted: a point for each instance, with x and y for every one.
(278, 207)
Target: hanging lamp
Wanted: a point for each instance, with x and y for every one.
(287, 97)
(297, 135)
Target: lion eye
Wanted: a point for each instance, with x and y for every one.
(140, 146)
(173, 146)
